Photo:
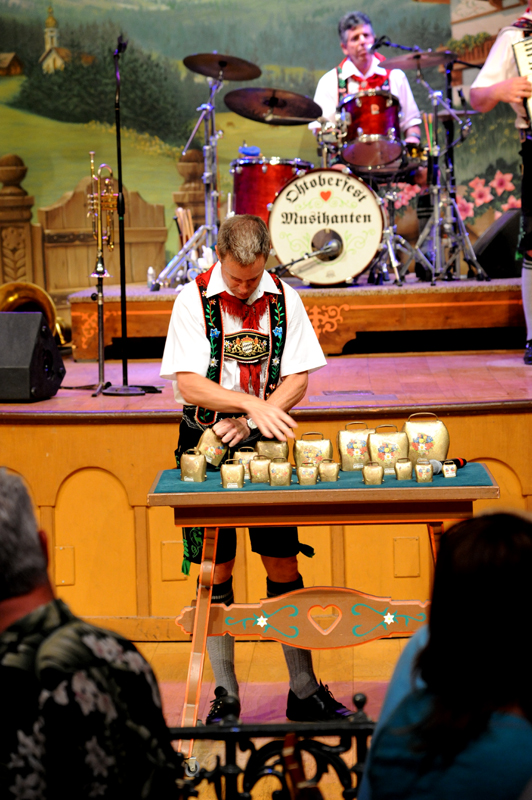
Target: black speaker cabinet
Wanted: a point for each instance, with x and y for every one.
(496, 248)
(31, 367)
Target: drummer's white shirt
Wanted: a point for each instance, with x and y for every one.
(326, 94)
(187, 348)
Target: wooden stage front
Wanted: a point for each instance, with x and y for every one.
(89, 463)
(337, 314)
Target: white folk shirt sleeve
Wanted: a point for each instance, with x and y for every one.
(500, 66)
(302, 350)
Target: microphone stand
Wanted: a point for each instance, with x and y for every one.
(124, 390)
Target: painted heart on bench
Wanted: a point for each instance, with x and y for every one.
(324, 619)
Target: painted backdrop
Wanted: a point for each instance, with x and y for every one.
(62, 105)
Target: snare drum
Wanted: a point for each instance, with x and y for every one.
(373, 134)
(319, 207)
(257, 180)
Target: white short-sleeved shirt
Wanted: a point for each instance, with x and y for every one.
(326, 94)
(187, 348)
(501, 65)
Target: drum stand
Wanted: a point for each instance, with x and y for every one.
(209, 178)
(392, 244)
(446, 231)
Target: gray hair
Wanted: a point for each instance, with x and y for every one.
(352, 20)
(244, 237)
(22, 561)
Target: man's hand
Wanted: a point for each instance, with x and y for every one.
(232, 431)
(272, 421)
(513, 90)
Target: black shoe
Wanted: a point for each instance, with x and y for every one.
(223, 706)
(319, 707)
(527, 358)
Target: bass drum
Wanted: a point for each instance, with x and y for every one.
(323, 206)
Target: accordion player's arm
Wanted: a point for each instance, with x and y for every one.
(513, 90)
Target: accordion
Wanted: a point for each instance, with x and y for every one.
(523, 58)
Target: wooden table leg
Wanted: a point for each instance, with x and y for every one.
(199, 633)
(435, 530)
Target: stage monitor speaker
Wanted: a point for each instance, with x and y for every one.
(497, 247)
(31, 367)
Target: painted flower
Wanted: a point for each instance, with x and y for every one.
(497, 214)
(481, 195)
(278, 331)
(513, 202)
(214, 333)
(477, 183)
(407, 192)
(465, 209)
(502, 182)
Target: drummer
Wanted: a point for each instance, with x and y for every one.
(360, 71)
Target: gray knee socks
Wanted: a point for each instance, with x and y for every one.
(526, 293)
(221, 649)
(303, 681)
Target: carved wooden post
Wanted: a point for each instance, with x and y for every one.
(191, 192)
(16, 261)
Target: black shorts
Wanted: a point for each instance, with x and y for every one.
(280, 542)
(526, 192)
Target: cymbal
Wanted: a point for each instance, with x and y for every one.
(444, 115)
(273, 106)
(424, 59)
(230, 67)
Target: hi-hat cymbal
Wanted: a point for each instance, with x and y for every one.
(273, 106)
(229, 68)
(423, 59)
(445, 116)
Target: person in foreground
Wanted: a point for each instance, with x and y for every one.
(468, 733)
(80, 711)
(499, 81)
(239, 349)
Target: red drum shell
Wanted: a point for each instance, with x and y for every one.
(257, 182)
(373, 131)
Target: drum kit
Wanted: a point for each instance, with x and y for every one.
(331, 224)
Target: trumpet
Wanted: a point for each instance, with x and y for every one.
(101, 200)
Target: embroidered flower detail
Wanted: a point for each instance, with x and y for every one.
(214, 362)
(97, 759)
(59, 695)
(276, 362)
(214, 333)
(278, 331)
(106, 648)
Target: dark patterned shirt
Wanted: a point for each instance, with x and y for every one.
(80, 713)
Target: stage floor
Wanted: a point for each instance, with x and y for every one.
(387, 382)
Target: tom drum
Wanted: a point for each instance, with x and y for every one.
(373, 134)
(257, 181)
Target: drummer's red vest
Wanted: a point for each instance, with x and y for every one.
(271, 344)
(375, 81)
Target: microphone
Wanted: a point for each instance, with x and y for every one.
(382, 40)
(331, 248)
(437, 466)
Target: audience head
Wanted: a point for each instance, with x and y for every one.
(22, 559)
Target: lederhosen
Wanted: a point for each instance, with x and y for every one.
(247, 346)
(525, 238)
